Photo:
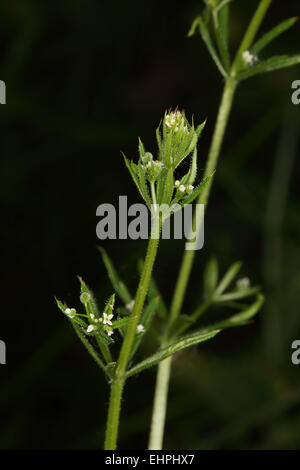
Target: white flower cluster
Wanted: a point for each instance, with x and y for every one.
(151, 167)
(249, 59)
(71, 312)
(174, 120)
(105, 320)
(182, 188)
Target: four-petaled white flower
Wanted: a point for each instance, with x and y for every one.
(90, 328)
(71, 312)
(140, 328)
(107, 318)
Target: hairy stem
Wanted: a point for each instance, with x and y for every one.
(118, 383)
(160, 405)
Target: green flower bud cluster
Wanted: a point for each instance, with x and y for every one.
(183, 189)
(178, 139)
(152, 168)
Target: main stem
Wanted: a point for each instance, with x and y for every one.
(118, 383)
(164, 367)
(212, 160)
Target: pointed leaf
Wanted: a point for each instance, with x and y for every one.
(182, 343)
(145, 321)
(275, 63)
(117, 284)
(240, 318)
(272, 34)
(209, 44)
(211, 275)
(88, 346)
(133, 175)
(238, 294)
(228, 277)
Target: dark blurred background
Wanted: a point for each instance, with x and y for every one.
(84, 79)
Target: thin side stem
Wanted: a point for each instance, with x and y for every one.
(118, 383)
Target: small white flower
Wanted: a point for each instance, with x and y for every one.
(177, 183)
(249, 58)
(140, 328)
(90, 328)
(243, 283)
(107, 319)
(130, 305)
(92, 316)
(190, 187)
(182, 188)
(71, 312)
(110, 332)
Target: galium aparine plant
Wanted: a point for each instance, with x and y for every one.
(125, 318)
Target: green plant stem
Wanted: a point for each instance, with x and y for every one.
(164, 367)
(160, 405)
(118, 382)
(251, 32)
(212, 160)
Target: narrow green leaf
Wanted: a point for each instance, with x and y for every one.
(133, 175)
(141, 148)
(120, 323)
(146, 319)
(221, 33)
(158, 138)
(169, 188)
(210, 277)
(143, 186)
(228, 277)
(209, 44)
(117, 284)
(193, 27)
(240, 318)
(270, 65)
(239, 294)
(74, 319)
(199, 129)
(182, 343)
(88, 346)
(273, 34)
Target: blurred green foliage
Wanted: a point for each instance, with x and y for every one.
(84, 79)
